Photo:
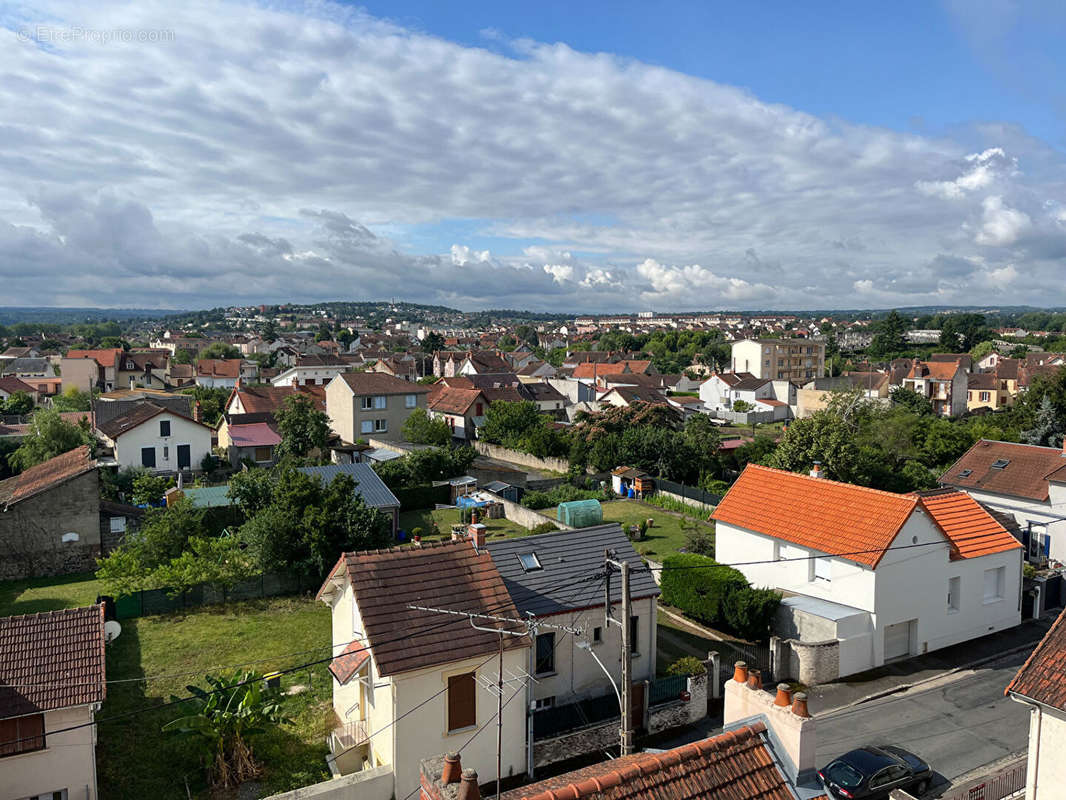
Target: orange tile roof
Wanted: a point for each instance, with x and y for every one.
(821, 514)
(348, 661)
(1043, 676)
(737, 765)
(219, 367)
(46, 475)
(105, 358)
(971, 530)
(936, 370)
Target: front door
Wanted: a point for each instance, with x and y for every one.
(184, 456)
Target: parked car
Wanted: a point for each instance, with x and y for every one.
(871, 773)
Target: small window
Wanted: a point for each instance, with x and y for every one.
(366, 403)
(21, 734)
(164, 427)
(777, 551)
(148, 457)
(462, 702)
(545, 654)
(954, 585)
(479, 410)
(367, 426)
(543, 703)
(1000, 463)
(966, 473)
(379, 401)
(381, 425)
(118, 524)
(410, 401)
(597, 635)
(529, 561)
(823, 569)
(262, 454)
(166, 453)
(634, 635)
(994, 584)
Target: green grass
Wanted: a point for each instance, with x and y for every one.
(446, 517)
(135, 759)
(664, 537)
(32, 595)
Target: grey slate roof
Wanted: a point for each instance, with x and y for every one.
(368, 485)
(566, 558)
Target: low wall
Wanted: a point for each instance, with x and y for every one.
(526, 517)
(370, 784)
(524, 459)
(815, 662)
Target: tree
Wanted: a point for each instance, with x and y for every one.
(149, 489)
(302, 426)
(421, 428)
(1048, 429)
(960, 333)
(18, 404)
(224, 721)
(220, 350)
(212, 401)
(269, 331)
(911, 400)
(432, 342)
(324, 334)
(889, 335)
(49, 436)
(703, 439)
(73, 399)
(182, 356)
(982, 349)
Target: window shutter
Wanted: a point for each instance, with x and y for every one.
(462, 702)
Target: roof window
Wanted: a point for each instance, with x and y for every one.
(529, 561)
(1000, 463)
(966, 473)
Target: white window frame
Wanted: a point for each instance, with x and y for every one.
(410, 401)
(995, 584)
(366, 403)
(366, 426)
(823, 569)
(118, 524)
(381, 426)
(379, 402)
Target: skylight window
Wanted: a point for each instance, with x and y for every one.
(966, 473)
(1000, 463)
(529, 561)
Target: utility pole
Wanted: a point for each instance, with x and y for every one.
(499, 718)
(626, 731)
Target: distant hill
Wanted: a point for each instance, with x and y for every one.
(11, 315)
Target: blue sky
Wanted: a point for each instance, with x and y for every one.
(561, 156)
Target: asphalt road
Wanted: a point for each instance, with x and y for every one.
(957, 727)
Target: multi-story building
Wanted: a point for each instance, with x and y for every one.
(780, 359)
(371, 404)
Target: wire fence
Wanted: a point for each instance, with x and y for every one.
(666, 690)
(1007, 782)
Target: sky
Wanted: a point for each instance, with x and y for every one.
(577, 157)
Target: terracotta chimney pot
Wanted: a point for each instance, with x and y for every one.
(799, 705)
(453, 768)
(740, 672)
(755, 679)
(784, 696)
(468, 788)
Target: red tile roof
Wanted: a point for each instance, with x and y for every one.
(268, 399)
(971, 530)
(348, 661)
(218, 368)
(737, 765)
(1025, 475)
(821, 514)
(447, 575)
(44, 476)
(11, 384)
(51, 660)
(105, 358)
(446, 400)
(1043, 676)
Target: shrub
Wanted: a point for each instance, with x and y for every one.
(687, 665)
(749, 612)
(697, 585)
(699, 540)
(563, 493)
(544, 527)
(416, 532)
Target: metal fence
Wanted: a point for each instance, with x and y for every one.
(553, 721)
(164, 601)
(689, 492)
(1006, 782)
(666, 690)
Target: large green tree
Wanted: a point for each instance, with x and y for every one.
(421, 428)
(889, 335)
(302, 426)
(49, 436)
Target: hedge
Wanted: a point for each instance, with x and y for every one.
(698, 586)
(415, 497)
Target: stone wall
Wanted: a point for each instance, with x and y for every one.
(32, 531)
(526, 517)
(370, 784)
(813, 663)
(524, 459)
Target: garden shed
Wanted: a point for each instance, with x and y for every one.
(581, 513)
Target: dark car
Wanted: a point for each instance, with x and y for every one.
(871, 773)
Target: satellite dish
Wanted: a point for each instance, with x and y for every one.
(111, 630)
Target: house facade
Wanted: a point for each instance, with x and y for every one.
(311, 371)
(361, 405)
(942, 383)
(47, 709)
(887, 576)
(779, 359)
(97, 369)
(463, 410)
(157, 439)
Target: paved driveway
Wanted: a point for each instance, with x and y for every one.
(957, 727)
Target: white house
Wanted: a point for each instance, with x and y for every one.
(1020, 479)
(53, 671)
(942, 383)
(156, 438)
(1041, 685)
(311, 371)
(410, 684)
(885, 575)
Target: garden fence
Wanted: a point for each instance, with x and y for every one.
(666, 690)
(688, 492)
(165, 601)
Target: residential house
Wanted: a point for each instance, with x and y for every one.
(815, 395)
(368, 486)
(370, 404)
(50, 517)
(546, 576)
(29, 368)
(53, 677)
(625, 396)
(1040, 685)
(249, 442)
(1024, 480)
(462, 409)
(225, 373)
(266, 399)
(548, 399)
(718, 392)
(886, 575)
(397, 368)
(143, 369)
(11, 353)
(91, 369)
(779, 359)
(483, 362)
(537, 370)
(409, 683)
(181, 375)
(311, 370)
(942, 383)
(721, 392)
(982, 391)
(156, 438)
(10, 384)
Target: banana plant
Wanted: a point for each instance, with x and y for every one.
(223, 719)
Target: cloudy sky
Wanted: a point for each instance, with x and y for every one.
(611, 156)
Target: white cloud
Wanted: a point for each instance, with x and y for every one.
(1001, 225)
(1001, 278)
(697, 286)
(986, 167)
(864, 286)
(560, 272)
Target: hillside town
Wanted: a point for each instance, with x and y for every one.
(796, 555)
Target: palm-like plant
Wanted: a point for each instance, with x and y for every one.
(224, 718)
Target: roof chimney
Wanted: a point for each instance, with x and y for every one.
(477, 535)
(816, 470)
(468, 789)
(452, 769)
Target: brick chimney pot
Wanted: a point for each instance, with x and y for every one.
(799, 705)
(740, 672)
(468, 788)
(453, 769)
(784, 696)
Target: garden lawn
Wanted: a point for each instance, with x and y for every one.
(32, 595)
(665, 536)
(135, 759)
(675, 640)
(446, 517)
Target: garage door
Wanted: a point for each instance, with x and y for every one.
(898, 640)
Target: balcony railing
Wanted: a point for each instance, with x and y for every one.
(350, 735)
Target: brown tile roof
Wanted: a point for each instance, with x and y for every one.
(818, 513)
(1043, 676)
(971, 530)
(11, 384)
(182, 371)
(446, 400)
(219, 367)
(637, 394)
(447, 575)
(266, 399)
(737, 765)
(1007, 369)
(51, 660)
(488, 362)
(982, 380)
(362, 383)
(136, 416)
(1026, 474)
(44, 476)
(323, 360)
